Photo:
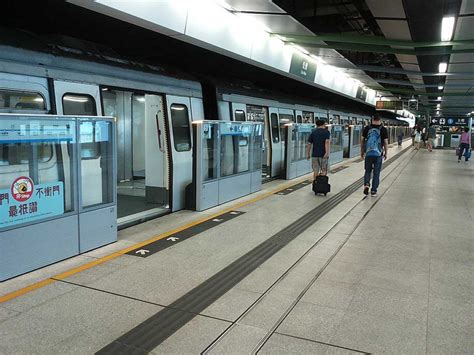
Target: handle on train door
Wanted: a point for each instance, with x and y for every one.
(160, 137)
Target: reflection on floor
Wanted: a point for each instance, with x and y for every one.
(127, 205)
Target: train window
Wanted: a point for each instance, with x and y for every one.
(181, 130)
(299, 119)
(17, 153)
(20, 100)
(275, 127)
(239, 115)
(79, 104)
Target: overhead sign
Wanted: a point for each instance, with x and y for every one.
(413, 105)
(302, 67)
(24, 201)
(389, 105)
(449, 121)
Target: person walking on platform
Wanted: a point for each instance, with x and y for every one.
(417, 138)
(374, 143)
(318, 148)
(431, 137)
(465, 145)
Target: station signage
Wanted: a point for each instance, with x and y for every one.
(389, 105)
(302, 67)
(450, 121)
(16, 131)
(24, 201)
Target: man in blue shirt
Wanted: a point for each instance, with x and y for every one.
(318, 148)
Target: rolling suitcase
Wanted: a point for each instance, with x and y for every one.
(321, 185)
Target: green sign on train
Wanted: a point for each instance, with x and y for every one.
(301, 66)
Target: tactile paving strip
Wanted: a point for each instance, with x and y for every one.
(148, 335)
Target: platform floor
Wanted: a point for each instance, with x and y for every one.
(387, 274)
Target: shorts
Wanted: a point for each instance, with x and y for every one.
(319, 164)
(430, 141)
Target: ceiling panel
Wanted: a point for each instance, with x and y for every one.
(417, 79)
(464, 28)
(412, 67)
(406, 58)
(386, 8)
(462, 58)
(395, 29)
(467, 7)
(254, 5)
(456, 68)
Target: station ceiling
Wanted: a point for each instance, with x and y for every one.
(393, 46)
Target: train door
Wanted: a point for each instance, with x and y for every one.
(260, 114)
(83, 100)
(142, 169)
(179, 119)
(276, 154)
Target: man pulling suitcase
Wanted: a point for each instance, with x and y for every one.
(317, 150)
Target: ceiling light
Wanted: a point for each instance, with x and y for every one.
(447, 28)
(38, 99)
(318, 59)
(441, 87)
(439, 98)
(438, 105)
(442, 67)
(301, 49)
(437, 112)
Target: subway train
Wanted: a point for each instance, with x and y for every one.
(154, 109)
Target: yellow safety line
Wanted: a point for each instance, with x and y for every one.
(73, 271)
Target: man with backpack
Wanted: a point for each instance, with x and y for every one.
(374, 143)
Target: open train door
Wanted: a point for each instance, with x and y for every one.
(276, 150)
(179, 118)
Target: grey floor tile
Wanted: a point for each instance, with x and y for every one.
(381, 334)
(381, 303)
(446, 341)
(283, 344)
(451, 291)
(6, 313)
(311, 321)
(193, 337)
(447, 314)
(397, 280)
(232, 304)
(344, 272)
(58, 323)
(95, 273)
(241, 339)
(267, 312)
(261, 278)
(38, 297)
(330, 293)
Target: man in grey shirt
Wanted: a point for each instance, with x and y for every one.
(431, 137)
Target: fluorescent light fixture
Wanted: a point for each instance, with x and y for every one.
(177, 108)
(439, 98)
(38, 99)
(318, 59)
(447, 28)
(140, 98)
(441, 87)
(104, 89)
(437, 112)
(442, 67)
(438, 105)
(301, 49)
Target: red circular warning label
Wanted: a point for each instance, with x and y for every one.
(22, 188)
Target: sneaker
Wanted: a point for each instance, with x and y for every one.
(373, 193)
(459, 160)
(366, 190)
